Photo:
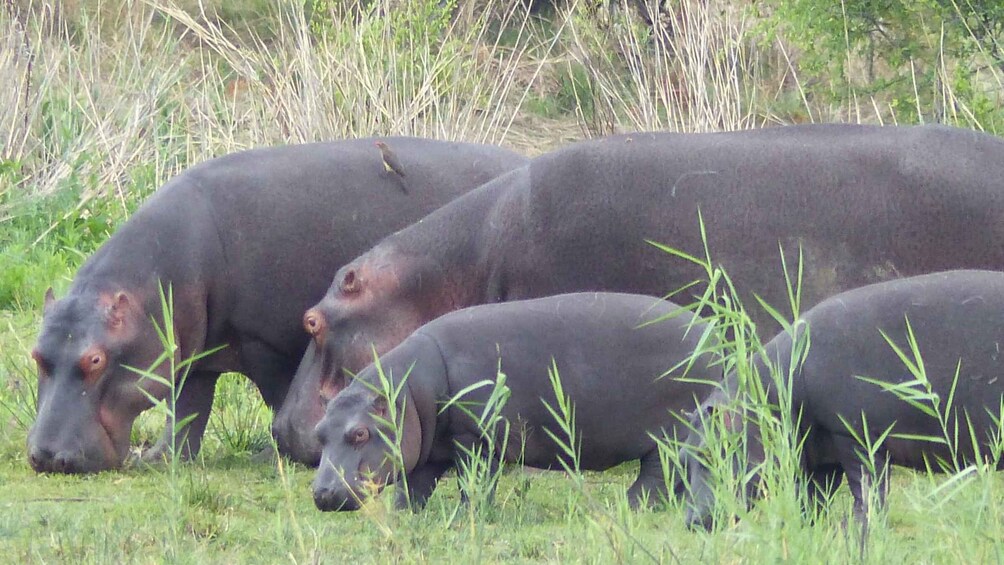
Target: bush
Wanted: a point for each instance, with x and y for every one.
(926, 60)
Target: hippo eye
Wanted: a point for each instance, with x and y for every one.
(313, 322)
(93, 363)
(358, 436)
(40, 363)
(315, 326)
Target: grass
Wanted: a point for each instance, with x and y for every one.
(104, 101)
(230, 510)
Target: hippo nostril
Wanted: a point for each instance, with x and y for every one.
(322, 499)
(328, 500)
(39, 458)
(64, 462)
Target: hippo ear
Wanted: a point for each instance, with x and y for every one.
(331, 385)
(47, 303)
(732, 420)
(380, 406)
(350, 282)
(119, 306)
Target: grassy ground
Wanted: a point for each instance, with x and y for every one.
(227, 508)
(102, 102)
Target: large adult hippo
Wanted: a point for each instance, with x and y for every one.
(955, 320)
(609, 355)
(864, 203)
(247, 242)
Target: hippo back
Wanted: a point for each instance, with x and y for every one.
(861, 203)
(320, 205)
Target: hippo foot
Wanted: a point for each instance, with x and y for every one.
(419, 486)
(134, 456)
(161, 453)
(649, 490)
(267, 456)
(651, 498)
(154, 455)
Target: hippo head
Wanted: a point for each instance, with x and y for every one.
(356, 458)
(87, 399)
(715, 418)
(374, 304)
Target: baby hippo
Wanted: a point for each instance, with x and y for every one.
(610, 350)
(846, 377)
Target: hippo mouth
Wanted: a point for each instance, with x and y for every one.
(329, 386)
(104, 456)
(93, 449)
(339, 498)
(115, 451)
(328, 500)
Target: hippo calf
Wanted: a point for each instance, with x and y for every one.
(955, 318)
(609, 364)
(858, 204)
(246, 242)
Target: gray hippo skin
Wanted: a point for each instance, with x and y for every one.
(956, 320)
(247, 242)
(609, 368)
(865, 204)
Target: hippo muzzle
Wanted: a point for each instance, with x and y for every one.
(337, 490)
(68, 436)
(700, 499)
(294, 423)
(335, 500)
(292, 443)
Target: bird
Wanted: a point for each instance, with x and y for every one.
(390, 162)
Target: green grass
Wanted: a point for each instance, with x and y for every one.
(229, 509)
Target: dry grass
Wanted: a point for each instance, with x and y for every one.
(96, 104)
(701, 72)
(158, 85)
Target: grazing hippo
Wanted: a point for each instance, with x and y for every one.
(955, 318)
(864, 203)
(609, 363)
(247, 242)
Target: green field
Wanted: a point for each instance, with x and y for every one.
(102, 102)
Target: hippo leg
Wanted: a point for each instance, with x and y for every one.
(464, 461)
(861, 479)
(651, 482)
(421, 482)
(268, 369)
(195, 400)
(822, 483)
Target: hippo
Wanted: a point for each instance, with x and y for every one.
(844, 379)
(616, 354)
(860, 204)
(245, 243)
